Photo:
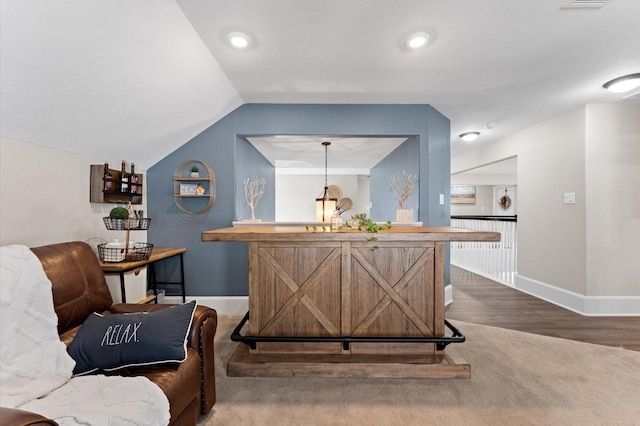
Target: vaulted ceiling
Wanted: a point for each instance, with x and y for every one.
(137, 79)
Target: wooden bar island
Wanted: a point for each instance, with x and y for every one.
(338, 304)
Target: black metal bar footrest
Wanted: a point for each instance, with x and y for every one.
(441, 342)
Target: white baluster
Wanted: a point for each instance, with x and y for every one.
(496, 260)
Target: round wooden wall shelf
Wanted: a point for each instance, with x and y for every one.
(190, 189)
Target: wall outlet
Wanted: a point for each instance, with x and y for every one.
(569, 197)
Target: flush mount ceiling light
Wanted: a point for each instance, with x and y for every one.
(417, 40)
(623, 84)
(238, 40)
(470, 136)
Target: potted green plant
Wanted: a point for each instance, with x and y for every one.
(195, 172)
(360, 222)
(118, 217)
(119, 213)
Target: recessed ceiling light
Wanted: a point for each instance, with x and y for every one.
(470, 136)
(238, 40)
(623, 84)
(417, 40)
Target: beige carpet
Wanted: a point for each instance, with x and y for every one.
(516, 379)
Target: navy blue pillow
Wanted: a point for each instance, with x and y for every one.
(116, 341)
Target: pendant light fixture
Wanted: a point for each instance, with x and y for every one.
(325, 203)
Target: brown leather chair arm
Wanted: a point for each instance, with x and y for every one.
(134, 308)
(203, 330)
(15, 417)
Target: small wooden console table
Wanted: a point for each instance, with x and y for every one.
(157, 254)
(337, 304)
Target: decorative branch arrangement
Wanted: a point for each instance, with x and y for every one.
(403, 188)
(253, 190)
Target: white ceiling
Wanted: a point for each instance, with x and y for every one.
(306, 154)
(505, 171)
(113, 79)
(137, 79)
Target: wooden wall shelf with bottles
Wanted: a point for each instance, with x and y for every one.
(109, 189)
(198, 192)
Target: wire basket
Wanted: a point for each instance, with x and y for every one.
(133, 224)
(137, 251)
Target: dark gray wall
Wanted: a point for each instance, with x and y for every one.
(220, 269)
(406, 157)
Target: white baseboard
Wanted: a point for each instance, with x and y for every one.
(448, 295)
(584, 305)
(239, 305)
(224, 305)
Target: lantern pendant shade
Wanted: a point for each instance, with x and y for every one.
(325, 203)
(325, 206)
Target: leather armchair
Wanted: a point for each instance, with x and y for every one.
(79, 289)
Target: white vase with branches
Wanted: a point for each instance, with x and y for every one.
(253, 190)
(403, 188)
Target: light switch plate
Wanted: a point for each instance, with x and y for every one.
(569, 197)
(442, 199)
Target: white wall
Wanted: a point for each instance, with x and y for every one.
(483, 204)
(296, 194)
(487, 197)
(560, 253)
(500, 191)
(613, 199)
(45, 200)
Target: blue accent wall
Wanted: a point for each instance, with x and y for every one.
(254, 165)
(406, 158)
(437, 159)
(220, 269)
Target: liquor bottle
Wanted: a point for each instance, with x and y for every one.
(133, 178)
(124, 179)
(108, 182)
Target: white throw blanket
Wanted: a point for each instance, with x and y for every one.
(35, 368)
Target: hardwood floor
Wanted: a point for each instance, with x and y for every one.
(482, 301)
